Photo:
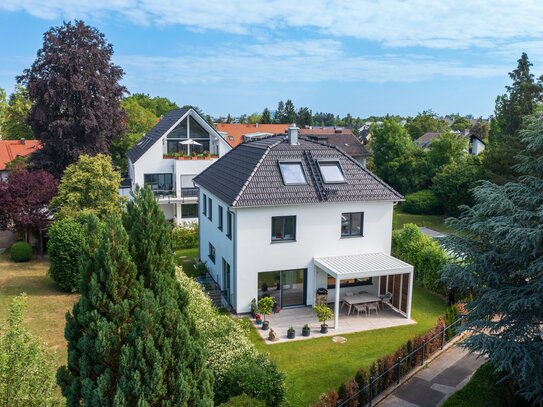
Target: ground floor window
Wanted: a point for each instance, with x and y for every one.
(351, 282)
(189, 211)
(286, 287)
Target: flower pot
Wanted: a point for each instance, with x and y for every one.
(265, 325)
(259, 322)
(324, 328)
(306, 332)
(291, 334)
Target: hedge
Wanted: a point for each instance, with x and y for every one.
(424, 253)
(423, 202)
(433, 340)
(185, 236)
(20, 252)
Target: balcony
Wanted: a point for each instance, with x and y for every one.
(190, 192)
(171, 194)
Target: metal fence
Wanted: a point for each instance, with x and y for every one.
(374, 387)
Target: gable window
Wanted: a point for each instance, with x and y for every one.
(219, 207)
(331, 172)
(352, 224)
(292, 173)
(209, 209)
(204, 204)
(229, 224)
(283, 228)
(211, 253)
(187, 128)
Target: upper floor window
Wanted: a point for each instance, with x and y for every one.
(352, 224)
(229, 224)
(209, 209)
(283, 228)
(159, 182)
(219, 208)
(211, 253)
(331, 172)
(204, 204)
(292, 173)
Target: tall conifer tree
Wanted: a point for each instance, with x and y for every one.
(163, 334)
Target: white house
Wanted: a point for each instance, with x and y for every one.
(169, 156)
(476, 144)
(284, 216)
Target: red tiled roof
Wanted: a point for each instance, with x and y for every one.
(11, 149)
(238, 130)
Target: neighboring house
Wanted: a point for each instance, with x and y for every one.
(364, 133)
(12, 149)
(169, 156)
(284, 216)
(346, 141)
(476, 145)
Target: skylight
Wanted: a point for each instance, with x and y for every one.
(292, 173)
(331, 172)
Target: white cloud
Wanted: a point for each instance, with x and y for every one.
(394, 23)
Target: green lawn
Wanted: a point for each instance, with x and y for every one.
(435, 222)
(186, 259)
(317, 365)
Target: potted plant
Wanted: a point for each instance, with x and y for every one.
(306, 330)
(291, 333)
(276, 308)
(323, 314)
(265, 305)
(254, 308)
(258, 319)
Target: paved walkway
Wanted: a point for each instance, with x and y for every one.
(431, 386)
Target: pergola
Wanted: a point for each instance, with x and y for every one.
(395, 276)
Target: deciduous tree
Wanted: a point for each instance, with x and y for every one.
(498, 256)
(90, 185)
(304, 117)
(76, 96)
(424, 122)
(445, 149)
(16, 115)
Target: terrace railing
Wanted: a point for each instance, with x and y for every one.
(375, 387)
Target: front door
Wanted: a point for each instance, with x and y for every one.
(286, 287)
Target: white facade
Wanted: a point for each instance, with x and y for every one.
(476, 146)
(251, 250)
(179, 203)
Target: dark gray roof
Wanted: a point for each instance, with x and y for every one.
(345, 141)
(425, 140)
(153, 135)
(249, 175)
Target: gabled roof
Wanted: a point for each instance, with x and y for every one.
(169, 120)
(11, 149)
(249, 176)
(425, 140)
(345, 141)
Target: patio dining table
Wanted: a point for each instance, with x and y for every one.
(360, 299)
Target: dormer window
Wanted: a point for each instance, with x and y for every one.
(292, 173)
(331, 172)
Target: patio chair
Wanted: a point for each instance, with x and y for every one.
(372, 307)
(387, 300)
(361, 308)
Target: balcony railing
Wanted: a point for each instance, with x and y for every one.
(189, 192)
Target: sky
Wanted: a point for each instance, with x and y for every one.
(341, 56)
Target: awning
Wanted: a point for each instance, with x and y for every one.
(362, 265)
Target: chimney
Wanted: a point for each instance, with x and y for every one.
(22, 140)
(292, 133)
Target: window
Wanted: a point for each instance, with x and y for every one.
(292, 173)
(189, 211)
(159, 183)
(283, 228)
(229, 224)
(220, 216)
(351, 282)
(211, 254)
(352, 224)
(204, 204)
(331, 172)
(209, 209)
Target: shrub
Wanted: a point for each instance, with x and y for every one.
(422, 202)
(427, 257)
(185, 236)
(243, 401)
(259, 378)
(20, 252)
(66, 240)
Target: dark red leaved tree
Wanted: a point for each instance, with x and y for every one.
(76, 96)
(24, 199)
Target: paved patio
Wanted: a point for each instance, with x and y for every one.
(298, 317)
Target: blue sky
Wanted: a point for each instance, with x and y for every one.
(239, 56)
